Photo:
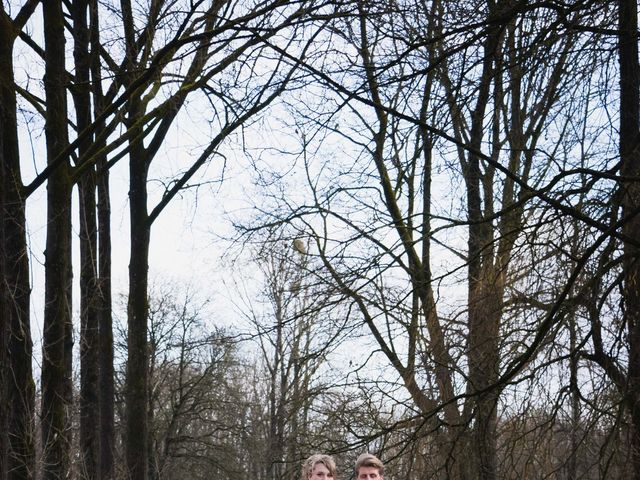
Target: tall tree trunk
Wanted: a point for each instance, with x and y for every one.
(136, 391)
(18, 392)
(483, 296)
(136, 386)
(4, 340)
(57, 340)
(136, 435)
(89, 341)
(106, 386)
(630, 171)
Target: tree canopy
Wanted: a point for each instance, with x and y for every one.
(429, 219)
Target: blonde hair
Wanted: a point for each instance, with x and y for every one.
(313, 460)
(369, 460)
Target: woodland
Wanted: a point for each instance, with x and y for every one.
(436, 259)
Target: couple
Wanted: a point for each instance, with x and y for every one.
(322, 467)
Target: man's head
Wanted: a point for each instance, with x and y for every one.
(369, 467)
(319, 467)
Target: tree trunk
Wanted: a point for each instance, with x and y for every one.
(136, 383)
(484, 296)
(630, 171)
(89, 340)
(136, 387)
(106, 387)
(18, 391)
(57, 340)
(136, 390)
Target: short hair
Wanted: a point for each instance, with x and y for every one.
(313, 460)
(369, 460)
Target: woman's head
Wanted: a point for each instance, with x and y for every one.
(319, 467)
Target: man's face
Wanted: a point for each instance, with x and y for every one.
(320, 472)
(369, 473)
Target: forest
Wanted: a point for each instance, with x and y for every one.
(426, 217)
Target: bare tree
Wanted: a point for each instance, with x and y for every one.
(297, 327)
(242, 51)
(16, 378)
(194, 399)
(57, 341)
(418, 92)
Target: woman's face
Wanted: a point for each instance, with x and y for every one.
(320, 472)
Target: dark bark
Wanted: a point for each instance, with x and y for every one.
(4, 358)
(630, 171)
(18, 392)
(486, 270)
(57, 340)
(136, 386)
(136, 383)
(89, 340)
(106, 386)
(136, 391)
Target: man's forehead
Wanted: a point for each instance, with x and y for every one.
(367, 469)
